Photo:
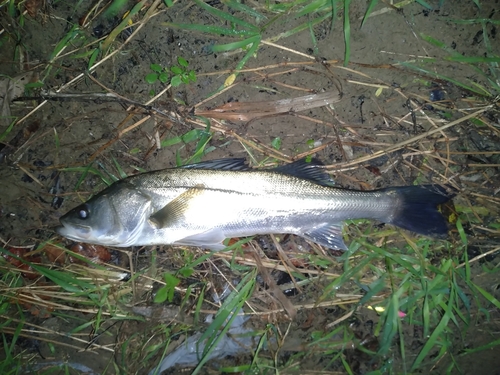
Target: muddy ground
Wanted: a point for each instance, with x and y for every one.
(72, 132)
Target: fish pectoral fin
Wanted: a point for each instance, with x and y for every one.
(211, 239)
(175, 210)
(329, 235)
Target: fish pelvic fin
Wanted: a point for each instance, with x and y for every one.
(417, 208)
(211, 240)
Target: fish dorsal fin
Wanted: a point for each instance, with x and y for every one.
(229, 164)
(175, 210)
(329, 235)
(312, 171)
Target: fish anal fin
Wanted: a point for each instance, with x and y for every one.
(328, 235)
(175, 210)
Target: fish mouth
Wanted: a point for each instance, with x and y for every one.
(74, 232)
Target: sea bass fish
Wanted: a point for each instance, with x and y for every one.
(203, 204)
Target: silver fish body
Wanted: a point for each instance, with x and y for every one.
(203, 204)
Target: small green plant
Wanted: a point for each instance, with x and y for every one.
(166, 293)
(175, 75)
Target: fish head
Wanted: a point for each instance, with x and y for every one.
(114, 217)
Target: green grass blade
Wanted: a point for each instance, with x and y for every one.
(225, 316)
(235, 45)
(70, 35)
(170, 141)
(64, 280)
(348, 273)
(245, 9)
(114, 8)
(373, 289)
(217, 30)
(432, 341)
(314, 40)
(473, 59)
(488, 296)
(122, 26)
(252, 51)
(424, 4)
(488, 346)
(312, 7)
(347, 32)
(226, 16)
(299, 28)
(7, 131)
(475, 21)
(86, 170)
(445, 78)
(119, 168)
(390, 326)
(93, 57)
(425, 309)
(369, 9)
(200, 151)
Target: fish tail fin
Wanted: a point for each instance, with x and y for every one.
(417, 209)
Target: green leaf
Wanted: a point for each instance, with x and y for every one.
(161, 295)
(151, 78)
(176, 81)
(276, 143)
(176, 70)
(191, 136)
(166, 293)
(186, 272)
(33, 85)
(182, 61)
(163, 77)
(192, 76)
(156, 68)
(171, 141)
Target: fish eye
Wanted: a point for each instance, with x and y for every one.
(83, 212)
